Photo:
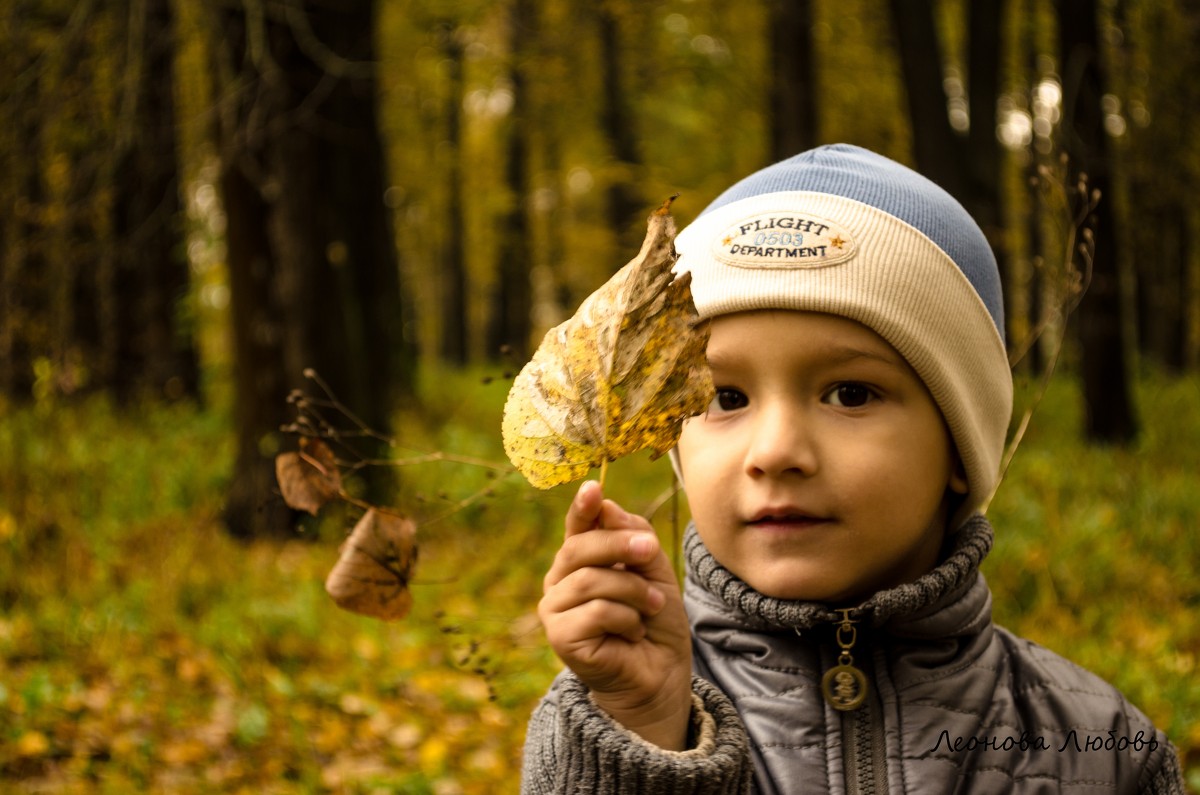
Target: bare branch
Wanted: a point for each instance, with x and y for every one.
(330, 62)
(24, 79)
(1073, 282)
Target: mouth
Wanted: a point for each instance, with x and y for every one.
(785, 517)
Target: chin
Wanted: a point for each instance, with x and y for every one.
(802, 591)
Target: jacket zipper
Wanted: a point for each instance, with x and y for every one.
(846, 689)
(863, 757)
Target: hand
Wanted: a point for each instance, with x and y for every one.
(613, 612)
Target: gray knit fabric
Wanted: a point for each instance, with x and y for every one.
(959, 568)
(573, 746)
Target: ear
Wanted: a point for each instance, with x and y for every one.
(676, 464)
(958, 478)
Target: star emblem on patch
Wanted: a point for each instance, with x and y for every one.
(727, 240)
(837, 241)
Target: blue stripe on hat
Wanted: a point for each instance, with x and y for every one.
(864, 176)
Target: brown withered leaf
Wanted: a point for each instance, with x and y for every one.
(620, 376)
(310, 478)
(376, 561)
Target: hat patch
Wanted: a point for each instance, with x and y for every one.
(783, 240)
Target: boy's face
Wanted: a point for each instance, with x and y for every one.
(821, 469)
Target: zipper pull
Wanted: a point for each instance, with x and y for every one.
(844, 686)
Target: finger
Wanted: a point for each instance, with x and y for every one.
(576, 631)
(647, 554)
(604, 548)
(613, 516)
(612, 585)
(585, 509)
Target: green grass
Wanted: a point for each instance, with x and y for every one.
(142, 650)
(1096, 551)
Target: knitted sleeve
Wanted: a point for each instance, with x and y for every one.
(574, 746)
(1165, 778)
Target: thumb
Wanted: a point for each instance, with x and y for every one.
(584, 513)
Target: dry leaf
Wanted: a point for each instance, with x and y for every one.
(371, 575)
(310, 478)
(620, 376)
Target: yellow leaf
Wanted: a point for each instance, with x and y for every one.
(620, 376)
(32, 743)
(433, 754)
(184, 752)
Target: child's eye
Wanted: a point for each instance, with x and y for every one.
(729, 400)
(850, 395)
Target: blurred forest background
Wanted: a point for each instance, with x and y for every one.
(203, 200)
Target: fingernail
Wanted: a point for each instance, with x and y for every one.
(655, 599)
(641, 546)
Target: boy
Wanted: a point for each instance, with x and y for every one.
(834, 634)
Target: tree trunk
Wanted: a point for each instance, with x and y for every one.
(512, 300)
(983, 196)
(1162, 284)
(793, 110)
(940, 152)
(968, 167)
(625, 208)
(315, 278)
(454, 342)
(152, 353)
(80, 330)
(1034, 361)
(355, 180)
(1108, 401)
(1162, 186)
(251, 507)
(22, 267)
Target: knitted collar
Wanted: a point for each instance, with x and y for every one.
(956, 577)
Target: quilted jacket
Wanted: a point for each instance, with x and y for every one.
(913, 691)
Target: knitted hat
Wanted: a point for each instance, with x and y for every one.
(842, 230)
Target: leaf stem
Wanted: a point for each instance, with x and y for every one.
(603, 471)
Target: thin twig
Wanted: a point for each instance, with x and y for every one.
(366, 506)
(465, 502)
(312, 375)
(663, 497)
(428, 458)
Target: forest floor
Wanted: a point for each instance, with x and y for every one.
(143, 650)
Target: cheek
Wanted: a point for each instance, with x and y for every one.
(701, 465)
(690, 443)
(922, 462)
(910, 459)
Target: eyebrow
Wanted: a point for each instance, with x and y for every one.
(837, 353)
(848, 353)
(721, 359)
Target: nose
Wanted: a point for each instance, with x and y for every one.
(781, 441)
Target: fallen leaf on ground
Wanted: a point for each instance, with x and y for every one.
(371, 576)
(310, 478)
(620, 376)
